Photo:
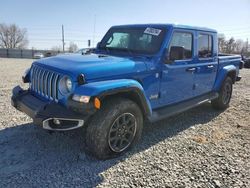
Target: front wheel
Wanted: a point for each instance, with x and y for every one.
(225, 93)
(114, 129)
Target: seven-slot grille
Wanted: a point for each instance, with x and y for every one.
(45, 82)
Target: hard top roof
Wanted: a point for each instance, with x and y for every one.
(170, 26)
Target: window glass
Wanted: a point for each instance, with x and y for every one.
(138, 40)
(118, 40)
(204, 46)
(184, 40)
(144, 41)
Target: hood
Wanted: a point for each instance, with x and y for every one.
(93, 66)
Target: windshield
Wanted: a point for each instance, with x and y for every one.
(139, 40)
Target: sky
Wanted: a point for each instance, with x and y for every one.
(90, 19)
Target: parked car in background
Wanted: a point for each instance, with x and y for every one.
(85, 51)
(38, 55)
(246, 62)
(137, 73)
(48, 54)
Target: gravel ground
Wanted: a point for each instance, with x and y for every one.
(199, 148)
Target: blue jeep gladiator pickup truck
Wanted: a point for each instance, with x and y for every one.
(137, 73)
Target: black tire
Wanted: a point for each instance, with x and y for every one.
(225, 93)
(247, 64)
(118, 118)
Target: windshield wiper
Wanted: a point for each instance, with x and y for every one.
(123, 50)
(129, 51)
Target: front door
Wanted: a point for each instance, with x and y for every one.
(178, 75)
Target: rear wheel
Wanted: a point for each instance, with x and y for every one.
(114, 129)
(225, 93)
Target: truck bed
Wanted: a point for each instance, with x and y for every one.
(229, 56)
(229, 59)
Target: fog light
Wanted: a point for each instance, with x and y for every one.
(56, 121)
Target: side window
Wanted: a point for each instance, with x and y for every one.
(205, 46)
(181, 45)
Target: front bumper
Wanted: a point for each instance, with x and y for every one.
(238, 78)
(48, 114)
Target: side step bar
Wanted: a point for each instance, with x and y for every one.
(174, 109)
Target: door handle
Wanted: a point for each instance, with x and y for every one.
(210, 66)
(191, 69)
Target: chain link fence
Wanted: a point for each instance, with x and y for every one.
(25, 53)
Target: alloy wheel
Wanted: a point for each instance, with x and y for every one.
(122, 132)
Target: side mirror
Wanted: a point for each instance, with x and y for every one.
(98, 45)
(176, 53)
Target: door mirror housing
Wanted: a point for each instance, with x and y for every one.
(98, 45)
(176, 53)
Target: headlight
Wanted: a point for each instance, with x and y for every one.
(65, 85)
(81, 98)
(68, 84)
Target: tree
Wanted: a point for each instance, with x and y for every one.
(222, 43)
(11, 36)
(231, 45)
(56, 48)
(239, 45)
(247, 46)
(72, 47)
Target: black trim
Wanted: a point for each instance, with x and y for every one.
(25, 79)
(241, 65)
(238, 78)
(174, 109)
(40, 110)
(82, 108)
(128, 91)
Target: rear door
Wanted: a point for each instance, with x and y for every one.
(177, 76)
(206, 66)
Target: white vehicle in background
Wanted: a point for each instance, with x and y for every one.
(84, 51)
(38, 55)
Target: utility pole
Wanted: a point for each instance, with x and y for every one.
(247, 45)
(63, 38)
(93, 42)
